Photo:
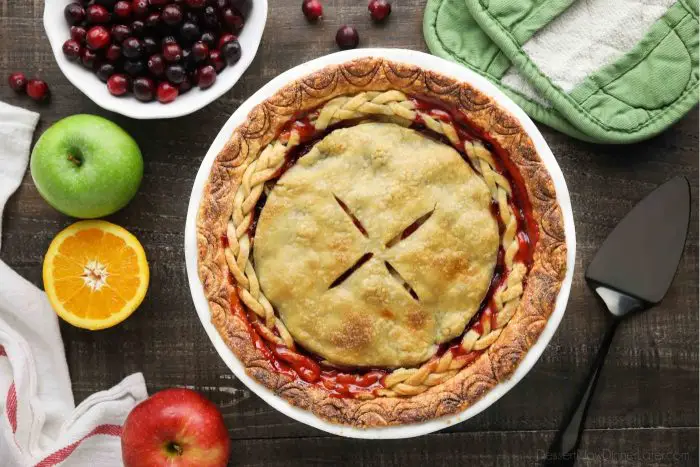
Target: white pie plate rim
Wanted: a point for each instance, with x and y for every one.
(427, 62)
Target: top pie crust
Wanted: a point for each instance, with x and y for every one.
(387, 177)
(436, 388)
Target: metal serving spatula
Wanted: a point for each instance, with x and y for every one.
(632, 271)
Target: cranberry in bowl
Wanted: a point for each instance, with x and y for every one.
(187, 39)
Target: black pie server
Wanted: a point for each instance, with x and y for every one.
(631, 272)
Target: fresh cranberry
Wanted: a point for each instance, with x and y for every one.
(18, 82)
(132, 47)
(189, 31)
(134, 67)
(217, 60)
(196, 3)
(158, 3)
(206, 76)
(114, 53)
(78, 33)
(222, 4)
(122, 9)
(97, 37)
(312, 9)
(226, 37)
(138, 28)
(210, 19)
(97, 14)
(188, 60)
(168, 40)
(153, 21)
(172, 52)
(71, 49)
(105, 71)
(379, 9)
(120, 32)
(172, 15)
(89, 59)
(118, 84)
(185, 86)
(106, 3)
(233, 20)
(156, 65)
(209, 38)
(347, 37)
(175, 73)
(140, 8)
(200, 51)
(231, 52)
(38, 90)
(74, 13)
(166, 92)
(144, 89)
(150, 46)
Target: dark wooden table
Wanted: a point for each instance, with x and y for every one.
(646, 409)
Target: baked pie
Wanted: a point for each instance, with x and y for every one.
(380, 244)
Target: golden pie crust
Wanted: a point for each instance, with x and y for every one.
(388, 176)
(455, 388)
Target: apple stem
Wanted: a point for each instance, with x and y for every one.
(75, 160)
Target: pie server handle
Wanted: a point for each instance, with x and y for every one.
(562, 452)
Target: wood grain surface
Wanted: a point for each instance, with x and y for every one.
(646, 408)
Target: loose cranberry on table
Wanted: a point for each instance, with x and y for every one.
(379, 9)
(18, 82)
(347, 37)
(312, 9)
(38, 90)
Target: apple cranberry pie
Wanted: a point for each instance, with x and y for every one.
(380, 244)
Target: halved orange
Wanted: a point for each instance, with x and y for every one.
(95, 274)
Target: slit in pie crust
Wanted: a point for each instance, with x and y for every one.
(380, 244)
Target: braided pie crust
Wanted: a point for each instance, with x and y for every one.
(378, 88)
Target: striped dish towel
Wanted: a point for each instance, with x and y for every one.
(39, 422)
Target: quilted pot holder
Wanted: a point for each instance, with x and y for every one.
(599, 70)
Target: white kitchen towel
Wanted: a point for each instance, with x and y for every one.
(39, 423)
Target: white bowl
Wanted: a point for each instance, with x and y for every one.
(428, 62)
(58, 31)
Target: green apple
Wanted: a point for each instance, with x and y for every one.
(86, 166)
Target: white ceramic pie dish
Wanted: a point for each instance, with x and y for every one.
(428, 62)
(58, 31)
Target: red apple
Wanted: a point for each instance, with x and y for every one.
(175, 428)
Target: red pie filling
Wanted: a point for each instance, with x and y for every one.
(305, 366)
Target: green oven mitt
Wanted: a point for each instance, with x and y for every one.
(608, 71)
